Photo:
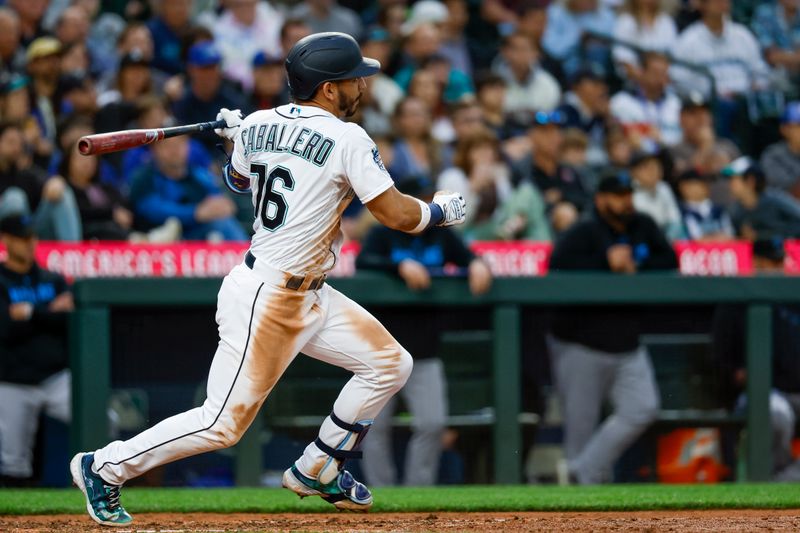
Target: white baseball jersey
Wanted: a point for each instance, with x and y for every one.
(305, 166)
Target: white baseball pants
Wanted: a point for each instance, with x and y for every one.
(262, 327)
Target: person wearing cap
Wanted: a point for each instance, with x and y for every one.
(595, 351)
(328, 15)
(760, 213)
(415, 259)
(650, 110)
(172, 21)
(652, 195)
(729, 339)
(724, 46)
(34, 375)
(700, 148)
(244, 28)
(703, 220)
(781, 161)
(562, 187)
(207, 92)
(44, 68)
(269, 81)
(586, 107)
(529, 88)
(566, 24)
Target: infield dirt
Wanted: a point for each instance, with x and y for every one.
(717, 521)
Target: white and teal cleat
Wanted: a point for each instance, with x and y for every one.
(102, 499)
(344, 492)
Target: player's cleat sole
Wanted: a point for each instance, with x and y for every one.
(344, 492)
(102, 500)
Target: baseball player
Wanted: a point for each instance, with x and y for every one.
(302, 165)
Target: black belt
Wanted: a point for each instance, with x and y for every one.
(294, 282)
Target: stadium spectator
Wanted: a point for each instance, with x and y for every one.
(243, 29)
(34, 375)
(781, 161)
(383, 90)
(171, 23)
(44, 68)
(490, 108)
(103, 212)
(15, 105)
(532, 23)
(419, 48)
(25, 190)
(564, 193)
(729, 333)
(207, 92)
(72, 26)
(649, 111)
(426, 87)
(567, 22)
(416, 153)
(269, 82)
(647, 25)
(603, 360)
(760, 213)
(31, 13)
(652, 196)
(586, 107)
(12, 54)
(293, 30)
(777, 27)
(700, 148)
(619, 149)
(169, 187)
(480, 174)
(75, 60)
(328, 15)
(703, 220)
(454, 42)
(727, 48)
(529, 88)
(78, 96)
(416, 259)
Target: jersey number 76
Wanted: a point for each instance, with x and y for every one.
(271, 219)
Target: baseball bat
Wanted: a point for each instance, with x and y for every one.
(114, 141)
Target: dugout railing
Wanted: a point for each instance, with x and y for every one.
(90, 340)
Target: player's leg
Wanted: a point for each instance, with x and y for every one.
(261, 329)
(635, 400)
(19, 418)
(57, 392)
(351, 338)
(425, 394)
(582, 379)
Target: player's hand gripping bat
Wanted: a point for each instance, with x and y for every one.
(114, 141)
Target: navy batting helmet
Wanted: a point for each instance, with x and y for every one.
(322, 57)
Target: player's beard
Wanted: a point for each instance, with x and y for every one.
(348, 106)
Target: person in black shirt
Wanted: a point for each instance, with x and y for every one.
(416, 258)
(729, 332)
(33, 354)
(596, 355)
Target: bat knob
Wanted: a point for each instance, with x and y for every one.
(85, 146)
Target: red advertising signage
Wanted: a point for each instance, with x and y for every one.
(715, 258)
(199, 259)
(792, 263)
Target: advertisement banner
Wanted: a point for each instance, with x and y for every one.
(715, 258)
(200, 259)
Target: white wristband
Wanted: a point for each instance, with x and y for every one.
(424, 217)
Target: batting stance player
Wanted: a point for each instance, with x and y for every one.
(304, 166)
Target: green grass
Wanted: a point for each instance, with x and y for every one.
(465, 498)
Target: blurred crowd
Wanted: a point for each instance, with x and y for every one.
(523, 105)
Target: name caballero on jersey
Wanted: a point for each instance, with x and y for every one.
(305, 143)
